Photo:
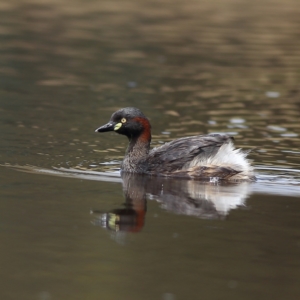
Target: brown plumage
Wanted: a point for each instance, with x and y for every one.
(207, 157)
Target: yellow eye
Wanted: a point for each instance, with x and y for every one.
(123, 120)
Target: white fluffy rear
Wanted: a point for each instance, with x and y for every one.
(227, 156)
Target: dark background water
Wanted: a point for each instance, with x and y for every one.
(192, 67)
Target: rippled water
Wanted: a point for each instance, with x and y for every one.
(71, 228)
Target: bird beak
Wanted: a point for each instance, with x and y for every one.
(110, 126)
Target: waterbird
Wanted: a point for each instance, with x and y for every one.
(210, 157)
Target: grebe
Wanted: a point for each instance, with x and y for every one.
(202, 157)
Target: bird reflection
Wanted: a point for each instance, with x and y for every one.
(204, 200)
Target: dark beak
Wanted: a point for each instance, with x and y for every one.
(107, 127)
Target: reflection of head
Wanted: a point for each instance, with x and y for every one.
(126, 219)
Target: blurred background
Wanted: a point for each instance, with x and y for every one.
(191, 66)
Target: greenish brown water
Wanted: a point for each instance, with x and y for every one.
(192, 67)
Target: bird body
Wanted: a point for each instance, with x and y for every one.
(201, 157)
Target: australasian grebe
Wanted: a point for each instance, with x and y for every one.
(199, 157)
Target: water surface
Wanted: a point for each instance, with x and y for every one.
(192, 67)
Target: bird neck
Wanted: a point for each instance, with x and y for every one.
(139, 145)
(139, 141)
(136, 153)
